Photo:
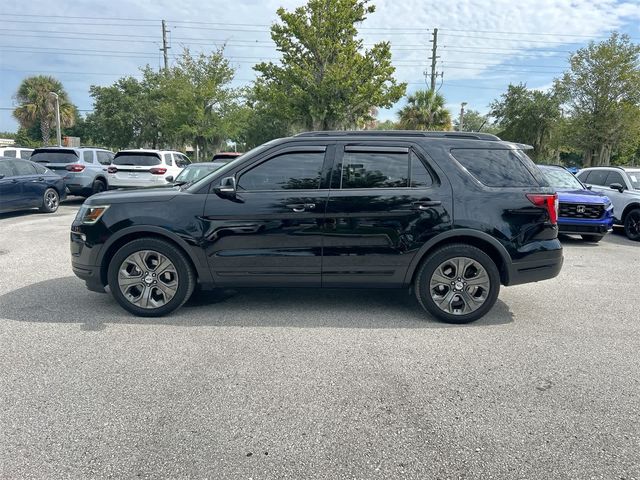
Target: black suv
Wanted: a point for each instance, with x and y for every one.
(451, 215)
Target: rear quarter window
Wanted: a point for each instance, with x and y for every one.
(496, 167)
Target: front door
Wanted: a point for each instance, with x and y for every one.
(385, 202)
(10, 187)
(270, 234)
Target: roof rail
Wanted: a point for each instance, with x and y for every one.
(400, 133)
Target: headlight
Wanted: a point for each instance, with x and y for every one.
(90, 214)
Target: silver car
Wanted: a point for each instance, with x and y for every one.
(84, 169)
(622, 186)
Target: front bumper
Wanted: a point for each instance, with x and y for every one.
(581, 226)
(81, 262)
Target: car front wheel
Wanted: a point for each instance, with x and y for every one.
(632, 224)
(150, 277)
(458, 283)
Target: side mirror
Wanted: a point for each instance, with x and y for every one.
(227, 188)
(589, 187)
(1, 176)
(169, 179)
(616, 186)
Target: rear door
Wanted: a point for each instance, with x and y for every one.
(271, 233)
(386, 200)
(32, 184)
(55, 159)
(134, 168)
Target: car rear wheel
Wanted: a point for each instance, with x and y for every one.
(458, 283)
(98, 186)
(150, 277)
(592, 238)
(632, 224)
(50, 201)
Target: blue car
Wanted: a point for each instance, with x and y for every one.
(582, 212)
(25, 184)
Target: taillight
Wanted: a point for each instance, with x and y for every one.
(548, 201)
(158, 171)
(76, 167)
(112, 169)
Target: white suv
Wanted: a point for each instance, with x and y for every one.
(16, 152)
(145, 168)
(622, 186)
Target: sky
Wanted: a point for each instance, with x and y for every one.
(483, 45)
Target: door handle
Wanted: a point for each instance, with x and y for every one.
(39, 179)
(426, 204)
(14, 180)
(301, 207)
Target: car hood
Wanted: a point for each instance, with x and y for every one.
(160, 194)
(582, 196)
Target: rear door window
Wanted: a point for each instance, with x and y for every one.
(23, 168)
(495, 167)
(181, 160)
(139, 159)
(597, 177)
(104, 158)
(6, 169)
(45, 155)
(375, 169)
(167, 159)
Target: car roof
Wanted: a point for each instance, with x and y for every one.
(399, 133)
(147, 150)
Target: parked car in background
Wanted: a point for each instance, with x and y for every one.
(622, 186)
(451, 215)
(581, 211)
(25, 184)
(84, 169)
(145, 168)
(225, 156)
(16, 152)
(196, 171)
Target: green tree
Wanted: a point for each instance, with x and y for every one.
(474, 121)
(37, 107)
(602, 94)
(530, 116)
(387, 125)
(326, 80)
(425, 110)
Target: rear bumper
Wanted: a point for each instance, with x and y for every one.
(537, 266)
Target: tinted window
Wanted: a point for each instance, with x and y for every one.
(5, 169)
(582, 176)
(561, 178)
(597, 177)
(196, 171)
(375, 170)
(634, 178)
(615, 177)
(495, 168)
(289, 171)
(54, 156)
(87, 156)
(142, 159)
(420, 176)
(40, 169)
(181, 160)
(23, 168)
(167, 159)
(26, 154)
(10, 153)
(104, 157)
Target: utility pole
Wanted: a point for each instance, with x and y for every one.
(461, 126)
(165, 48)
(434, 57)
(58, 131)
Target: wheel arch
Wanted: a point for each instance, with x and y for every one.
(483, 241)
(135, 233)
(627, 209)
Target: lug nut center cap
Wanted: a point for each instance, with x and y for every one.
(148, 280)
(458, 286)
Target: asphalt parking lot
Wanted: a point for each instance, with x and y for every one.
(316, 384)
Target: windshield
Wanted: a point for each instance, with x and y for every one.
(54, 156)
(142, 159)
(560, 178)
(196, 171)
(634, 178)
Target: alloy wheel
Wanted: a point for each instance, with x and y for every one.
(51, 200)
(148, 279)
(459, 285)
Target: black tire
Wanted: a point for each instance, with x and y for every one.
(98, 186)
(50, 201)
(632, 224)
(592, 238)
(435, 260)
(186, 277)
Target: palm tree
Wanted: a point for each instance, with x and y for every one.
(425, 110)
(37, 106)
